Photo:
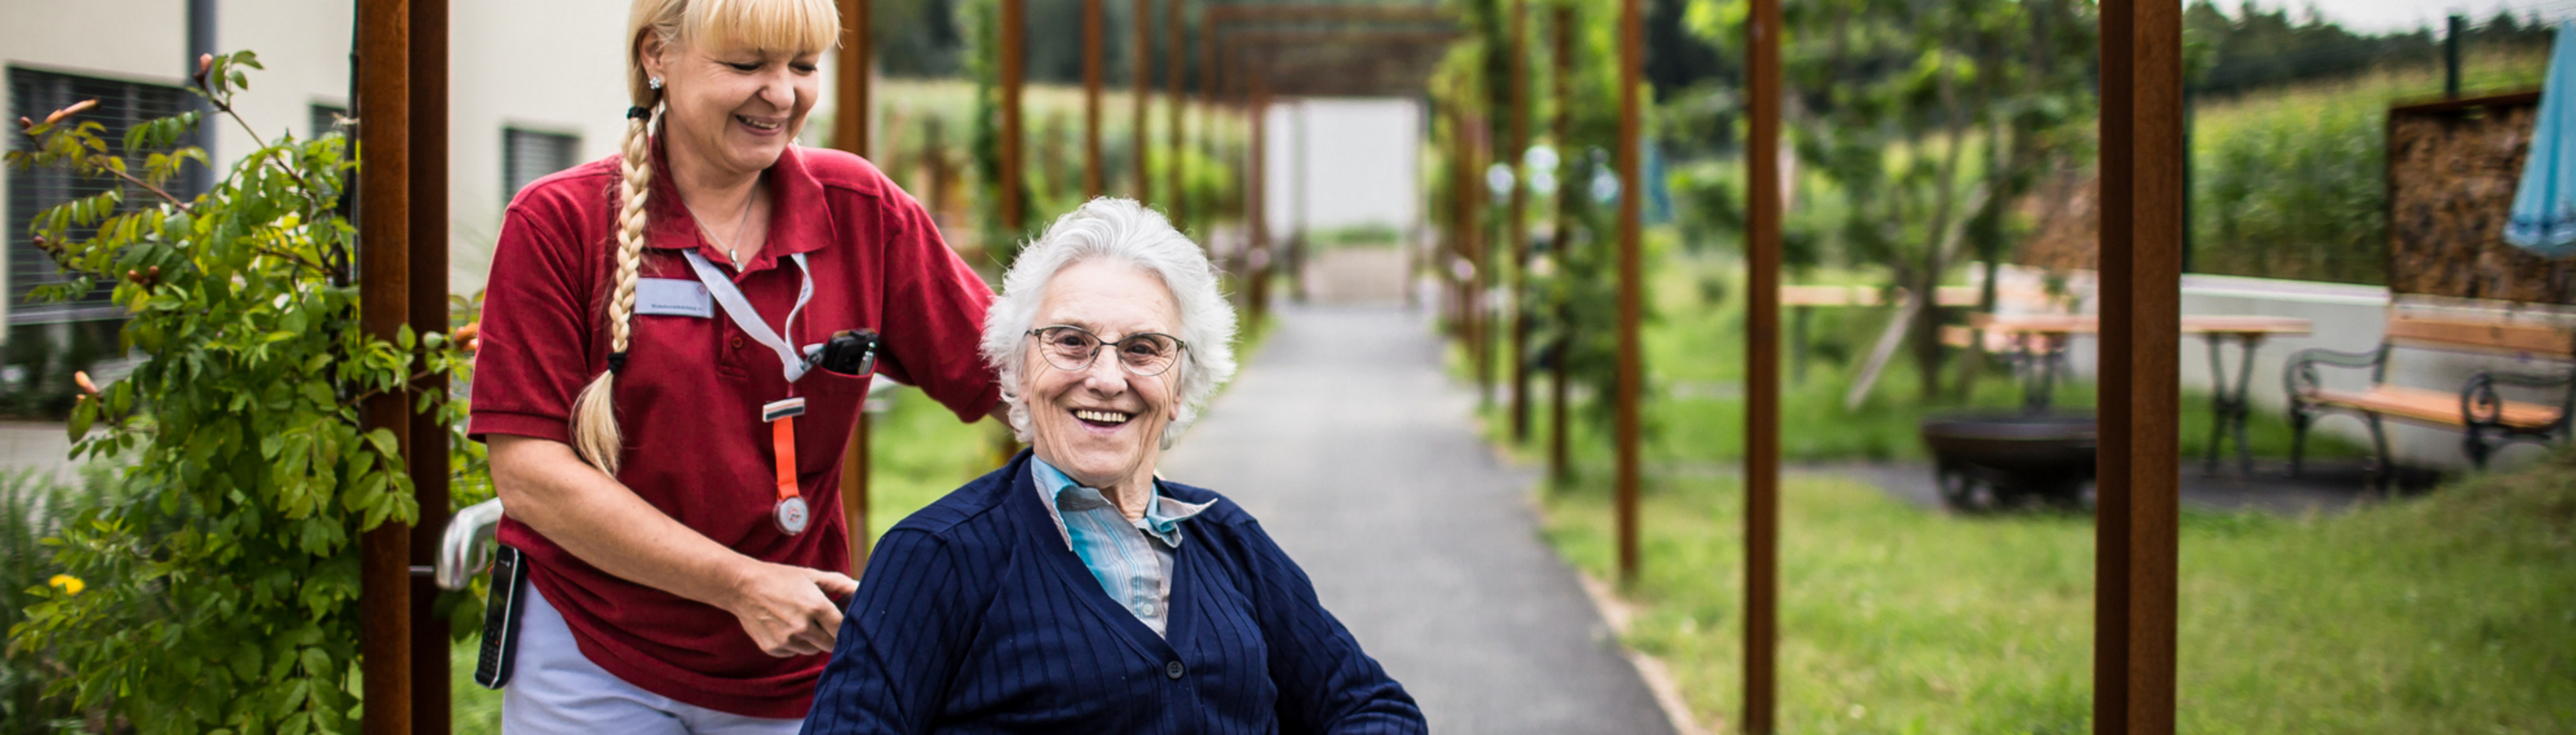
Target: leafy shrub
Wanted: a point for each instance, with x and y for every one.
(222, 591)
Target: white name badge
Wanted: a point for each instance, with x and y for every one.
(673, 297)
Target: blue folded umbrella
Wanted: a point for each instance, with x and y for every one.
(2544, 206)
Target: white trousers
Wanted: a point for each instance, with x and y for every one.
(557, 690)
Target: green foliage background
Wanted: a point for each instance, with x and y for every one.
(221, 588)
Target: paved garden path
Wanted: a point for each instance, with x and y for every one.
(1343, 436)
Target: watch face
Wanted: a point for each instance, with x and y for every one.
(791, 516)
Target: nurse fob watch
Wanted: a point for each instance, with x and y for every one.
(791, 514)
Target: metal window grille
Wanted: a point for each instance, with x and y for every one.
(121, 106)
(528, 155)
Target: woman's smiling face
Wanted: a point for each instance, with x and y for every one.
(1101, 426)
(736, 109)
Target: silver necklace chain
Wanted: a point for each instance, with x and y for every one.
(743, 222)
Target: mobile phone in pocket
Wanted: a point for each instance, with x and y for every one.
(501, 618)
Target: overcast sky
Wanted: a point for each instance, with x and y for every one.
(2387, 15)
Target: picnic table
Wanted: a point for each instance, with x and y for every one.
(2039, 349)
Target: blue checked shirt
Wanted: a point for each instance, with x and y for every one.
(1132, 559)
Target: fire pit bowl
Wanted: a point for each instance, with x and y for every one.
(1988, 462)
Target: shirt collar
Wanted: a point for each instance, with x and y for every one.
(799, 215)
(1162, 517)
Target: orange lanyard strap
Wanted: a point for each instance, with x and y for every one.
(781, 416)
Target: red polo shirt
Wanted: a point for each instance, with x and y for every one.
(689, 399)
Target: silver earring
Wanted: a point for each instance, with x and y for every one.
(656, 84)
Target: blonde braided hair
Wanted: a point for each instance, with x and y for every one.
(594, 420)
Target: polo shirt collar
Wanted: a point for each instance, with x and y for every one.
(1059, 492)
(799, 214)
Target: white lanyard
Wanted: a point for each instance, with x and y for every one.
(739, 309)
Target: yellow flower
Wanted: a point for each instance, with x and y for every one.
(69, 584)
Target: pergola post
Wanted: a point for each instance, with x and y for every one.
(1140, 84)
(427, 304)
(2135, 483)
(854, 81)
(384, 222)
(850, 132)
(1560, 238)
(1517, 225)
(1179, 49)
(1014, 27)
(1092, 170)
(1632, 40)
(1762, 371)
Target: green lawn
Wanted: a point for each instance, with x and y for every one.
(2447, 613)
(2454, 612)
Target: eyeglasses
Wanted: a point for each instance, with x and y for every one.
(1073, 349)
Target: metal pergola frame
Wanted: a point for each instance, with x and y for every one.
(401, 98)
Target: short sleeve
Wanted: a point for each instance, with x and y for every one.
(934, 312)
(536, 333)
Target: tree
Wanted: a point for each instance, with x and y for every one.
(1931, 117)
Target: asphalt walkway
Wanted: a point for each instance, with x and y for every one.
(1343, 436)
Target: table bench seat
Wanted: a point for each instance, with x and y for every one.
(2547, 364)
(2431, 406)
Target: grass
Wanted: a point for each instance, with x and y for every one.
(2451, 612)
(2454, 612)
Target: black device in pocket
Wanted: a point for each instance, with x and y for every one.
(848, 352)
(501, 618)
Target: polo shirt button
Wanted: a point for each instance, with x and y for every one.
(1174, 670)
(737, 341)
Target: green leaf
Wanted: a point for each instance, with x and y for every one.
(83, 413)
(384, 441)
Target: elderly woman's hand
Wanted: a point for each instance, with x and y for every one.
(789, 610)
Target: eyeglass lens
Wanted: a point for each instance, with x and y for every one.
(1071, 348)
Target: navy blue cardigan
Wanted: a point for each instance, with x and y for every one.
(973, 617)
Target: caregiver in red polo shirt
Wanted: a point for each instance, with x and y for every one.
(641, 339)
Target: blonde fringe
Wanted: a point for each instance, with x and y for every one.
(596, 436)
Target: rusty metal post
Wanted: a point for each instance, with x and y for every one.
(1092, 170)
(427, 268)
(1480, 319)
(854, 490)
(427, 307)
(1762, 372)
(1014, 28)
(1558, 463)
(1256, 211)
(1517, 227)
(384, 295)
(1632, 43)
(851, 128)
(1209, 78)
(1140, 84)
(850, 132)
(2135, 526)
(1179, 50)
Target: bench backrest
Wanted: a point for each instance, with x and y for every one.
(2527, 340)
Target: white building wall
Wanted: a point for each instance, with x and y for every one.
(554, 66)
(1359, 161)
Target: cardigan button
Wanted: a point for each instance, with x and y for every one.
(1174, 669)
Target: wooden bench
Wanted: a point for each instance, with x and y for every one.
(2488, 419)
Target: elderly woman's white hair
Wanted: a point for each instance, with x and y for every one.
(1118, 230)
